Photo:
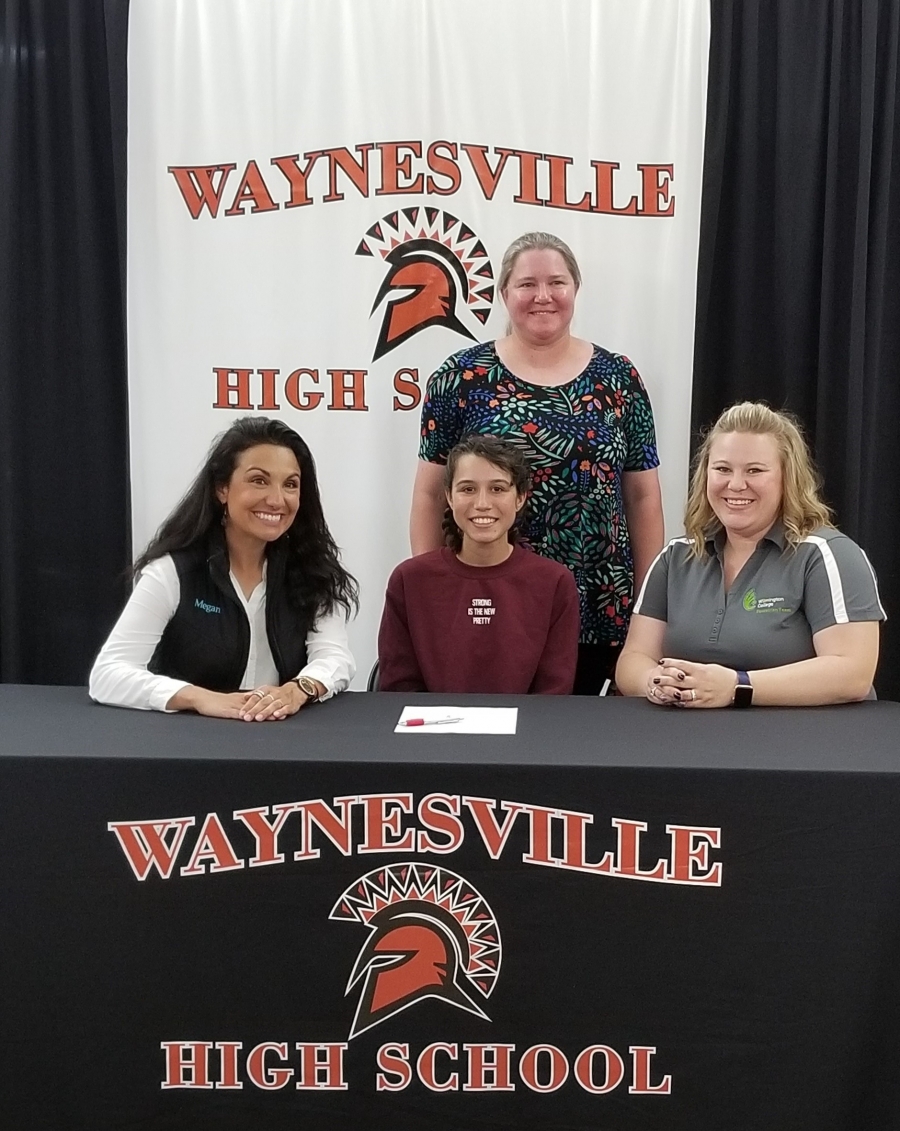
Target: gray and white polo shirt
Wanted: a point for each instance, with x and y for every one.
(777, 602)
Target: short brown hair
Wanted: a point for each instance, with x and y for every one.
(499, 453)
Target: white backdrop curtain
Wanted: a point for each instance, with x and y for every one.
(280, 150)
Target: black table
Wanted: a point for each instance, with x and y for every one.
(620, 917)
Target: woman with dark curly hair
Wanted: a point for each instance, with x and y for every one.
(240, 604)
(481, 614)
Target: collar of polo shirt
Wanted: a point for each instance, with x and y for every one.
(774, 534)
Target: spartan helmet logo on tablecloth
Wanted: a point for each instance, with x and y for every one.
(437, 270)
(431, 935)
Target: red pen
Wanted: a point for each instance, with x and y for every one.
(426, 722)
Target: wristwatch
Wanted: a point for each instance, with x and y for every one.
(308, 687)
(743, 691)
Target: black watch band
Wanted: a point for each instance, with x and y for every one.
(743, 691)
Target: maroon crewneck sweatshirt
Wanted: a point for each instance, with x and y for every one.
(505, 629)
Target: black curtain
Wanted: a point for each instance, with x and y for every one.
(798, 298)
(64, 521)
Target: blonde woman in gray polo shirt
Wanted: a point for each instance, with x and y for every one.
(763, 601)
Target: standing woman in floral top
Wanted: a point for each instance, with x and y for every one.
(583, 419)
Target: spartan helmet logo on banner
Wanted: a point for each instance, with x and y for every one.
(431, 935)
(438, 273)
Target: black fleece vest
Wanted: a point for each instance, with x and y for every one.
(207, 641)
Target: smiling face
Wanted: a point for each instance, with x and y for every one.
(540, 296)
(484, 503)
(263, 493)
(744, 482)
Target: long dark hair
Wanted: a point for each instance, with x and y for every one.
(500, 454)
(315, 581)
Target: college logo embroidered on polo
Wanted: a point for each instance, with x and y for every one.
(754, 604)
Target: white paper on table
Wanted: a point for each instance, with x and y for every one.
(473, 720)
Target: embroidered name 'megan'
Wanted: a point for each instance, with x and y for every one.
(206, 607)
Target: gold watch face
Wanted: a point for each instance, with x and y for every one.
(307, 686)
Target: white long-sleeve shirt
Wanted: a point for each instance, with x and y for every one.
(120, 677)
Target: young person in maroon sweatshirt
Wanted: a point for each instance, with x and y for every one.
(481, 614)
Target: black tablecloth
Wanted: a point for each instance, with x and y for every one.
(552, 730)
(643, 917)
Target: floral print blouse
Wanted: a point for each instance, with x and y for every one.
(578, 438)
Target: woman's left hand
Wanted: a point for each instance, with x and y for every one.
(268, 703)
(682, 683)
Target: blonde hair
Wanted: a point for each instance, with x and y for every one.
(536, 241)
(802, 508)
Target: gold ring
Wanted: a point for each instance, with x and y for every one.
(693, 695)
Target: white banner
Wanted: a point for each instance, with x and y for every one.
(290, 159)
